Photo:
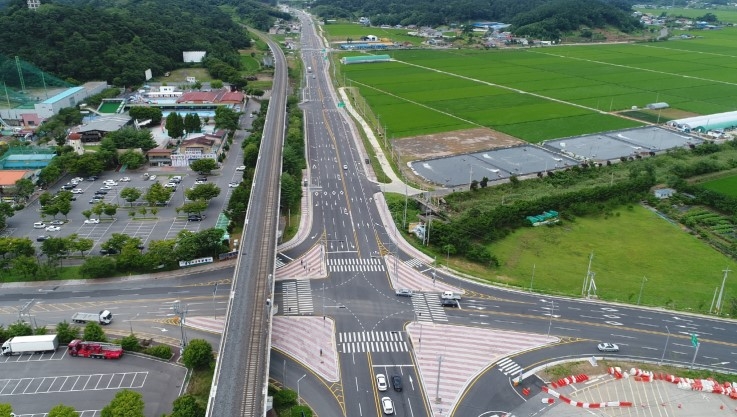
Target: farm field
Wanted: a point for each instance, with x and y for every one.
(680, 269)
(726, 186)
(340, 32)
(544, 93)
(723, 13)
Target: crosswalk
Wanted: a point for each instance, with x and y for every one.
(428, 309)
(508, 367)
(359, 342)
(413, 263)
(355, 265)
(297, 298)
(279, 263)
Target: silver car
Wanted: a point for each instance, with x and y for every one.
(608, 347)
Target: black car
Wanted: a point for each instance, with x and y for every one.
(92, 178)
(397, 382)
(68, 187)
(447, 302)
(195, 218)
(110, 251)
(101, 192)
(201, 179)
(42, 238)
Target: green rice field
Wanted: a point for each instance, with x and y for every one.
(544, 93)
(726, 185)
(340, 32)
(723, 13)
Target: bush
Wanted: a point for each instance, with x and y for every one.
(160, 351)
(285, 398)
(93, 332)
(66, 332)
(198, 354)
(130, 343)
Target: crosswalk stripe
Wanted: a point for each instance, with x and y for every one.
(372, 341)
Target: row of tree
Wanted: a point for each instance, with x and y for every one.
(547, 19)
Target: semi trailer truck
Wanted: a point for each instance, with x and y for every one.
(19, 345)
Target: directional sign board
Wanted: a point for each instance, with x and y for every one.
(694, 339)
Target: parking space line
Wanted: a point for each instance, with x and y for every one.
(20, 381)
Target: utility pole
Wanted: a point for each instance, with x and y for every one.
(588, 275)
(437, 382)
(181, 310)
(721, 291)
(666, 345)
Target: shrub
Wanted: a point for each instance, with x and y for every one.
(160, 351)
(130, 343)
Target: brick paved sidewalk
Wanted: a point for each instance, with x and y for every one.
(308, 266)
(408, 277)
(309, 340)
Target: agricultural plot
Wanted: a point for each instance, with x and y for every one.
(726, 186)
(544, 93)
(343, 31)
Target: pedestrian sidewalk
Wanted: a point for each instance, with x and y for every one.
(460, 363)
(403, 275)
(305, 220)
(206, 324)
(310, 341)
(397, 185)
(311, 265)
(393, 233)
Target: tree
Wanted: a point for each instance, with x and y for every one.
(187, 406)
(143, 113)
(192, 123)
(118, 240)
(291, 192)
(110, 210)
(250, 155)
(5, 410)
(198, 354)
(87, 164)
(25, 265)
(23, 189)
(130, 194)
(130, 343)
(19, 328)
(54, 248)
(193, 207)
(81, 245)
(216, 84)
(157, 194)
(97, 267)
(126, 403)
(49, 174)
(226, 118)
(160, 254)
(62, 410)
(174, 125)
(202, 192)
(130, 256)
(204, 165)
(6, 210)
(93, 332)
(132, 159)
(66, 332)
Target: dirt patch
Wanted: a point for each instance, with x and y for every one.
(675, 113)
(452, 143)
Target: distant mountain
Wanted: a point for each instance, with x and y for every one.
(546, 19)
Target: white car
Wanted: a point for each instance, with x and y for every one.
(39, 225)
(241, 168)
(124, 179)
(53, 228)
(381, 382)
(170, 185)
(77, 179)
(152, 178)
(345, 166)
(92, 221)
(77, 191)
(200, 182)
(110, 183)
(387, 405)
(604, 347)
(233, 184)
(106, 187)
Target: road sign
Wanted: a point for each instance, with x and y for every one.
(341, 104)
(694, 339)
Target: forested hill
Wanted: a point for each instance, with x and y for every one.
(541, 18)
(117, 40)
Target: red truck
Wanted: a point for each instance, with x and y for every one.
(95, 350)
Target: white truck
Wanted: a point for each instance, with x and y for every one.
(450, 295)
(19, 345)
(103, 317)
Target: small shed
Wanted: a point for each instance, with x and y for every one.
(657, 106)
(664, 193)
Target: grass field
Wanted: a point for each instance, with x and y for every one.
(544, 93)
(340, 32)
(726, 186)
(723, 13)
(680, 269)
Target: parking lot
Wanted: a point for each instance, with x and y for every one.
(33, 384)
(165, 224)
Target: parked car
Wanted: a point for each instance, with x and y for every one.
(42, 238)
(176, 179)
(381, 384)
(101, 192)
(608, 347)
(108, 251)
(77, 191)
(241, 168)
(92, 177)
(68, 187)
(52, 228)
(106, 188)
(152, 178)
(39, 225)
(110, 183)
(387, 405)
(170, 185)
(233, 184)
(77, 179)
(92, 221)
(195, 218)
(124, 179)
(200, 182)
(204, 179)
(57, 222)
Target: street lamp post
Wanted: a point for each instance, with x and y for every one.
(131, 321)
(642, 286)
(666, 344)
(298, 397)
(552, 310)
(437, 382)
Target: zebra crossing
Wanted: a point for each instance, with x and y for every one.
(413, 263)
(297, 298)
(356, 265)
(359, 342)
(428, 309)
(509, 367)
(279, 263)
